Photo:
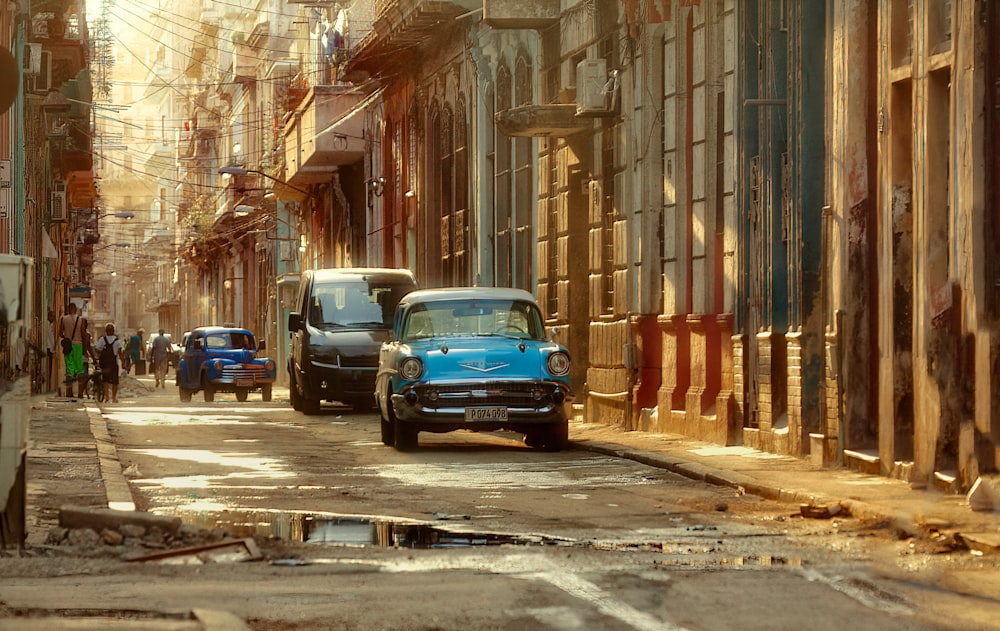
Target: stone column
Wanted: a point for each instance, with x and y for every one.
(696, 389)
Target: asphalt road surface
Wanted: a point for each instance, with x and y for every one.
(478, 531)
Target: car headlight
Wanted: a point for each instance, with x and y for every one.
(558, 363)
(269, 365)
(411, 368)
(217, 365)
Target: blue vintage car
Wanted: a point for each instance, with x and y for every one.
(472, 358)
(224, 359)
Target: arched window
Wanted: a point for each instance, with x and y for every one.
(436, 248)
(503, 188)
(462, 224)
(446, 196)
(524, 202)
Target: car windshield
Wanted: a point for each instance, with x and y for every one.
(362, 303)
(506, 318)
(229, 340)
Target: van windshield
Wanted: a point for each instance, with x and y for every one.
(355, 304)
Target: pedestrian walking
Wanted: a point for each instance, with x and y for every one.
(50, 350)
(159, 353)
(72, 331)
(110, 359)
(135, 352)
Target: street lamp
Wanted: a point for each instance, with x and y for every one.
(234, 170)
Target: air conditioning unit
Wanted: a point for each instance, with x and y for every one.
(57, 203)
(41, 82)
(592, 96)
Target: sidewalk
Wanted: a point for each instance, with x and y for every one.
(72, 460)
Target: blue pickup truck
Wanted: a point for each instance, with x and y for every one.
(224, 359)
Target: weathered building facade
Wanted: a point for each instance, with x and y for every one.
(764, 223)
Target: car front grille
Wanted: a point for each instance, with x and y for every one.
(512, 394)
(240, 371)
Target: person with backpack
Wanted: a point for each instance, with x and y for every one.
(109, 354)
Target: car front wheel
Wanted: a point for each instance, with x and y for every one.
(208, 389)
(552, 437)
(405, 436)
(242, 394)
(265, 392)
(185, 395)
(388, 427)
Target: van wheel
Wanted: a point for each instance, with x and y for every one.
(360, 405)
(310, 406)
(293, 394)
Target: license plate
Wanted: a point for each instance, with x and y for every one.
(486, 414)
(244, 382)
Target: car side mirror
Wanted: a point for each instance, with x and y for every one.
(294, 321)
(261, 345)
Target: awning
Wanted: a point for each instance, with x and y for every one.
(48, 248)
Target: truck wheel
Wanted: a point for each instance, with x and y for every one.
(265, 392)
(185, 395)
(242, 394)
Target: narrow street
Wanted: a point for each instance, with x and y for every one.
(479, 531)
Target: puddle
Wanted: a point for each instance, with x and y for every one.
(350, 530)
(681, 550)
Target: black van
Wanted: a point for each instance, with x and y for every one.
(343, 316)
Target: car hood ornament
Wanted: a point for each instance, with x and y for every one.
(484, 366)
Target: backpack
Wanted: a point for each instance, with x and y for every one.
(107, 360)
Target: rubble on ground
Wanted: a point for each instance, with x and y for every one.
(134, 535)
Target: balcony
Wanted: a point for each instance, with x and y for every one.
(402, 28)
(557, 120)
(326, 131)
(520, 14)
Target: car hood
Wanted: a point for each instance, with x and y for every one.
(469, 358)
(349, 341)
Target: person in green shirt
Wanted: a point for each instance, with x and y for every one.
(135, 348)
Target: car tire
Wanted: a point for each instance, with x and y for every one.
(265, 392)
(185, 395)
(361, 405)
(388, 427)
(242, 394)
(293, 394)
(208, 390)
(310, 405)
(556, 436)
(404, 436)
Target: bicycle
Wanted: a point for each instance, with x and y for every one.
(94, 388)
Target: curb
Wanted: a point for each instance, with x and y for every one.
(116, 487)
(730, 479)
